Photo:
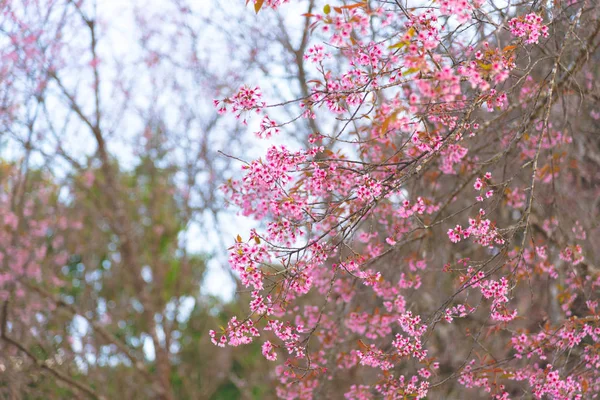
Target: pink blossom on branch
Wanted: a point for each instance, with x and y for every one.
(364, 250)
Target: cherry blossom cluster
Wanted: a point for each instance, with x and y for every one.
(274, 4)
(572, 254)
(33, 240)
(498, 292)
(245, 99)
(458, 311)
(237, 333)
(481, 230)
(528, 26)
(268, 128)
(482, 185)
(316, 53)
(491, 66)
(336, 282)
(462, 9)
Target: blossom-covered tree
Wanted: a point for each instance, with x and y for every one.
(109, 178)
(435, 238)
(426, 204)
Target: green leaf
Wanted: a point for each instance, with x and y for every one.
(172, 275)
(398, 45)
(410, 71)
(327, 9)
(483, 65)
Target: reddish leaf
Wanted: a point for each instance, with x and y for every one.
(258, 5)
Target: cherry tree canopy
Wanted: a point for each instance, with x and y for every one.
(437, 241)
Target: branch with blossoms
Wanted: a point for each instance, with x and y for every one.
(365, 253)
